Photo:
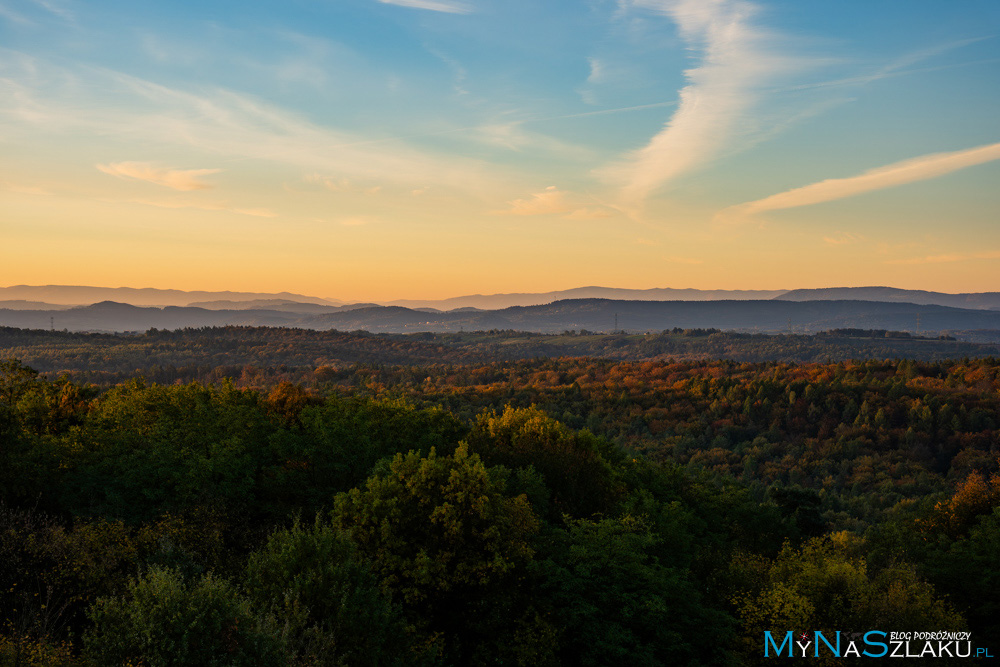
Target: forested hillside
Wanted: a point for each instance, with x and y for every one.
(570, 511)
(257, 356)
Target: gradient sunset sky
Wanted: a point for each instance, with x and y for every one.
(381, 149)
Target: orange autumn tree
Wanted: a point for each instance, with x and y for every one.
(975, 497)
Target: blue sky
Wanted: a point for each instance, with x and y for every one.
(426, 148)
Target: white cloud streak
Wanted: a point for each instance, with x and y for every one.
(177, 179)
(553, 201)
(54, 8)
(844, 238)
(513, 136)
(900, 66)
(432, 5)
(597, 70)
(341, 185)
(550, 201)
(898, 173)
(735, 65)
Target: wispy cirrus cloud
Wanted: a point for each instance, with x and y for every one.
(177, 179)
(432, 5)
(553, 201)
(35, 95)
(737, 61)
(342, 184)
(900, 66)
(844, 238)
(55, 8)
(511, 135)
(550, 201)
(740, 65)
(898, 173)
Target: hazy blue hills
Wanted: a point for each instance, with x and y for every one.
(497, 301)
(53, 297)
(283, 305)
(598, 315)
(79, 295)
(987, 300)
(22, 304)
(602, 315)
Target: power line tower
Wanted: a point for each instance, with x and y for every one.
(918, 324)
(616, 322)
(52, 323)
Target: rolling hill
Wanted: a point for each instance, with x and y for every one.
(599, 315)
(983, 300)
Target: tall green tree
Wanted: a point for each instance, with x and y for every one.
(573, 464)
(164, 620)
(449, 545)
(615, 603)
(326, 599)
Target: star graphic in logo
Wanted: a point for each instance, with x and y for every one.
(804, 636)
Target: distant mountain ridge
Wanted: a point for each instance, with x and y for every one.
(981, 300)
(22, 304)
(598, 315)
(605, 315)
(283, 305)
(82, 295)
(54, 297)
(507, 300)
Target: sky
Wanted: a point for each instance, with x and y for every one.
(369, 150)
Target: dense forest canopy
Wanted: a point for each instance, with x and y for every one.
(254, 355)
(437, 508)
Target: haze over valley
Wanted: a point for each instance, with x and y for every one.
(589, 308)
